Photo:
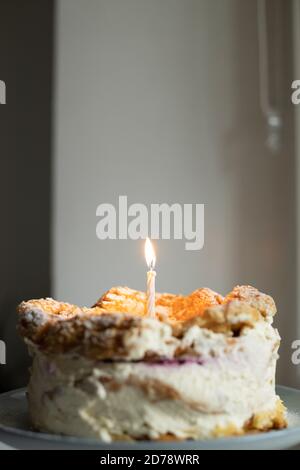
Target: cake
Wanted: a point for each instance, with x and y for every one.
(204, 367)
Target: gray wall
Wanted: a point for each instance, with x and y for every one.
(25, 143)
(159, 100)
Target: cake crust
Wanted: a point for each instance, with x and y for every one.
(171, 307)
(117, 327)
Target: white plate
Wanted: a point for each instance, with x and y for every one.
(15, 431)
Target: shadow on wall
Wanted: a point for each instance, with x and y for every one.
(26, 32)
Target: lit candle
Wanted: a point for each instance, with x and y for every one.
(151, 260)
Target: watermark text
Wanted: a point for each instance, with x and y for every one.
(296, 353)
(2, 353)
(296, 93)
(2, 92)
(159, 221)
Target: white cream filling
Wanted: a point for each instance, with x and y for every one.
(81, 397)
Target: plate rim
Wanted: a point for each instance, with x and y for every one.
(58, 438)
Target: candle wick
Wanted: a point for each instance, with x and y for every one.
(151, 266)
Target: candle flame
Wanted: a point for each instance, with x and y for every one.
(150, 254)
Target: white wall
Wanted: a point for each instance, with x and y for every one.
(158, 100)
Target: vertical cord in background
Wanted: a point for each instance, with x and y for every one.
(271, 114)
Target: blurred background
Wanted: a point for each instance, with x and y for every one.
(163, 101)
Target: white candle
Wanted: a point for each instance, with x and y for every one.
(151, 260)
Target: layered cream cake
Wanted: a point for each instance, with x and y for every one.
(203, 367)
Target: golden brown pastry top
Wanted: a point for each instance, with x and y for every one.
(118, 321)
(175, 308)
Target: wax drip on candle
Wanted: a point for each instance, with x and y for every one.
(151, 260)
